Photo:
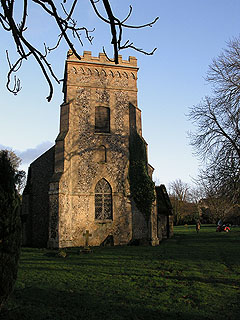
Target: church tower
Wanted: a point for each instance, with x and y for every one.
(81, 185)
(90, 188)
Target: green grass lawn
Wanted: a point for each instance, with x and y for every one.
(192, 276)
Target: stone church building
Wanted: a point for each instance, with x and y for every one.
(81, 184)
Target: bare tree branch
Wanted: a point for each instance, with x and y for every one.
(69, 30)
(117, 27)
(217, 119)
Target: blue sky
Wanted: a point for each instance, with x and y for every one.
(188, 35)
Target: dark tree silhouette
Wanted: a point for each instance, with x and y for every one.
(217, 118)
(64, 14)
(10, 225)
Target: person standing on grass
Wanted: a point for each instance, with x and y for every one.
(198, 226)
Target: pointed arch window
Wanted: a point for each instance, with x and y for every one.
(102, 119)
(103, 200)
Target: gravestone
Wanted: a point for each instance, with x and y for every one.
(87, 235)
(86, 248)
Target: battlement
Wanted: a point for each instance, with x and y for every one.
(101, 59)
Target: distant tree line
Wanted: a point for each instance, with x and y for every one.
(184, 202)
(193, 203)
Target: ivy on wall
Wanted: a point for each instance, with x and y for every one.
(142, 187)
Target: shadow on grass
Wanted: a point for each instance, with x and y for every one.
(213, 280)
(39, 304)
(139, 283)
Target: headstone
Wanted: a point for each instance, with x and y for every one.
(86, 248)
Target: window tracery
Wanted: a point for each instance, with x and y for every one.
(103, 200)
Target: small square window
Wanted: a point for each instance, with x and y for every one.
(102, 119)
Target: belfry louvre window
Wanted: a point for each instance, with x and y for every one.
(102, 119)
(103, 200)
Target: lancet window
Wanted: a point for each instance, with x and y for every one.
(103, 200)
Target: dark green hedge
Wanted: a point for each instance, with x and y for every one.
(10, 228)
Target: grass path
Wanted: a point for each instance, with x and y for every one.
(192, 276)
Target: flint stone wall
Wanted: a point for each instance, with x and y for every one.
(89, 83)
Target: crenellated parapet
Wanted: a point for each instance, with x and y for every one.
(100, 72)
(102, 59)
